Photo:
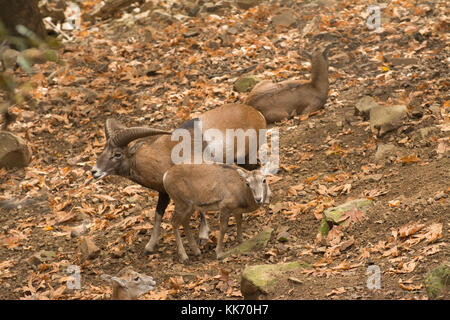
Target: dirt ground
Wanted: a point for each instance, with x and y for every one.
(326, 159)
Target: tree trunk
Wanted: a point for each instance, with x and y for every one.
(24, 12)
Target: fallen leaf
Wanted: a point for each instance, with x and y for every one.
(336, 291)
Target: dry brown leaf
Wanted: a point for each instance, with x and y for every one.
(336, 291)
(410, 229)
(434, 232)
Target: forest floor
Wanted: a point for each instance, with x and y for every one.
(158, 72)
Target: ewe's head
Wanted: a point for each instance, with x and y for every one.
(256, 181)
(130, 285)
(115, 155)
(320, 54)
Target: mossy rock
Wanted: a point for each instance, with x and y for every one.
(260, 278)
(437, 282)
(14, 151)
(246, 83)
(255, 243)
(333, 216)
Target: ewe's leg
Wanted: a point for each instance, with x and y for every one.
(180, 247)
(189, 236)
(163, 202)
(276, 115)
(204, 229)
(224, 216)
(238, 217)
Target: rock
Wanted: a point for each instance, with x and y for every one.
(246, 83)
(33, 56)
(437, 282)
(88, 249)
(333, 216)
(363, 106)
(181, 17)
(14, 152)
(258, 242)
(211, 7)
(423, 133)
(287, 18)
(80, 230)
(435, 109)
(246, 4)
(9, 58)
(259, 279)
(35, 259)
(403, 61)
(373, 177)
(386, 118)
(384, 150)
(160, 14)
(283, 235)
(440, 195)
(191, 33)
(41, 257)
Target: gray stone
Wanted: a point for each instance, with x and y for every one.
(246, 83)
(34, 55)
(386, 118)
(162, 15)
(286, 18)
(246, 4)
(14, 151)
(259, 279)
(363, 106)
(88, 249)
(423, 133)
(384, 150)
(9, 58)
(403, 61)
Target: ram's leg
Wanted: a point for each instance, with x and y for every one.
(163, 202)
(204, 228)
(224, 216)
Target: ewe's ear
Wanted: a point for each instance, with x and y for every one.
(242, 173)
(325, 51)
(307, 54)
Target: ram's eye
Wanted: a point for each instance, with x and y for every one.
(264, 181)
(117, 155)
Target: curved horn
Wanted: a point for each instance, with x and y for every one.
(111, 125)
(125, 136)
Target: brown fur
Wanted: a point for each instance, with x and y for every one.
(212, 187)
(146, 161)
(278, 101)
